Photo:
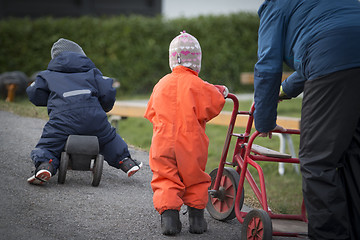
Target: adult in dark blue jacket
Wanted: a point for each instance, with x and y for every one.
(77, 97)
(319, 39)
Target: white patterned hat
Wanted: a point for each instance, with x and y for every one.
(185, 50)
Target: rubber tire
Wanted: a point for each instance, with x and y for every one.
(64, 163)
(257, 225)
(97, 170)
(214, 211)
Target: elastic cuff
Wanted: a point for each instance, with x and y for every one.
(163, 209)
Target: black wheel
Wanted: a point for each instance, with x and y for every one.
(64, 163)
(97, 170)
(256, 226)
(221, 204)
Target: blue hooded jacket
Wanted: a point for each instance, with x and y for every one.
(71, 81)
(313, 37)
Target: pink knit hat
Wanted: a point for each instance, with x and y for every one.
(185, 50)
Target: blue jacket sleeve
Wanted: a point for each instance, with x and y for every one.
(293, 85)
(38, 92)
(268, 69)
(107, 93)
(266, 97)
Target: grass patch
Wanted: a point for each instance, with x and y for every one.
(23, 107)
(136, 131)
(284, 192)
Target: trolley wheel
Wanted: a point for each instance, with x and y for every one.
(221, 204)
(257, 225)
(64, 163)
(97, 170)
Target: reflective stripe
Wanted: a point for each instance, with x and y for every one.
(76, 92)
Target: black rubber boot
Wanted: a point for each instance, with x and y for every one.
(170, 222)
(197, 221)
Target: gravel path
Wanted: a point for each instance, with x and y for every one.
(120, 208)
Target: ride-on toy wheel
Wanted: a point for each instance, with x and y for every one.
(97, 170)
(257, 225)
(64, 163)
(221, 204)
(81, 153)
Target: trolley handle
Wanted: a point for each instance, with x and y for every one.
(256, 133)
(232, 97)
(288, 131)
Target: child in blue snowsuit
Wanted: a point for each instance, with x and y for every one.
(77, 97)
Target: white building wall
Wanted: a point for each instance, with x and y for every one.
(193, 8)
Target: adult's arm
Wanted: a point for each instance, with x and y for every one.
(293, 85)
(268, 69)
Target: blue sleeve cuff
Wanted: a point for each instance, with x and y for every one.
(293, 85)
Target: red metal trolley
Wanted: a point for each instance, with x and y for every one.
(226, 193)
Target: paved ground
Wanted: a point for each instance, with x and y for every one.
(120, 208)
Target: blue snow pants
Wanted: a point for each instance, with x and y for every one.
(81, 121)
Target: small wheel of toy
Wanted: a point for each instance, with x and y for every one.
(221, 204)
(257, 225)
(97, 170)
(64, 163)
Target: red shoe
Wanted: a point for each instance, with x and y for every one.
(130, 166)
(42, 174)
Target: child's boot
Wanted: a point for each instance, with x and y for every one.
(197, 221)
(130, 166)
(170, 222)
(44, 171)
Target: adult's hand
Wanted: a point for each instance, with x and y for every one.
(277, 128)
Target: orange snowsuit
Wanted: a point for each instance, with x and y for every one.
(179, 107)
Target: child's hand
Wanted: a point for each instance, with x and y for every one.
(223, 90)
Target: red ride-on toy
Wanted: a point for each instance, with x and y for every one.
(226, 193)
(81, 153)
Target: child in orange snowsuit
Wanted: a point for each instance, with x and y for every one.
(179, 107)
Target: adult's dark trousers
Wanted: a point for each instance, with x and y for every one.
(330, 155)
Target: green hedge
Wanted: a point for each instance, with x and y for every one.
(134, 49)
